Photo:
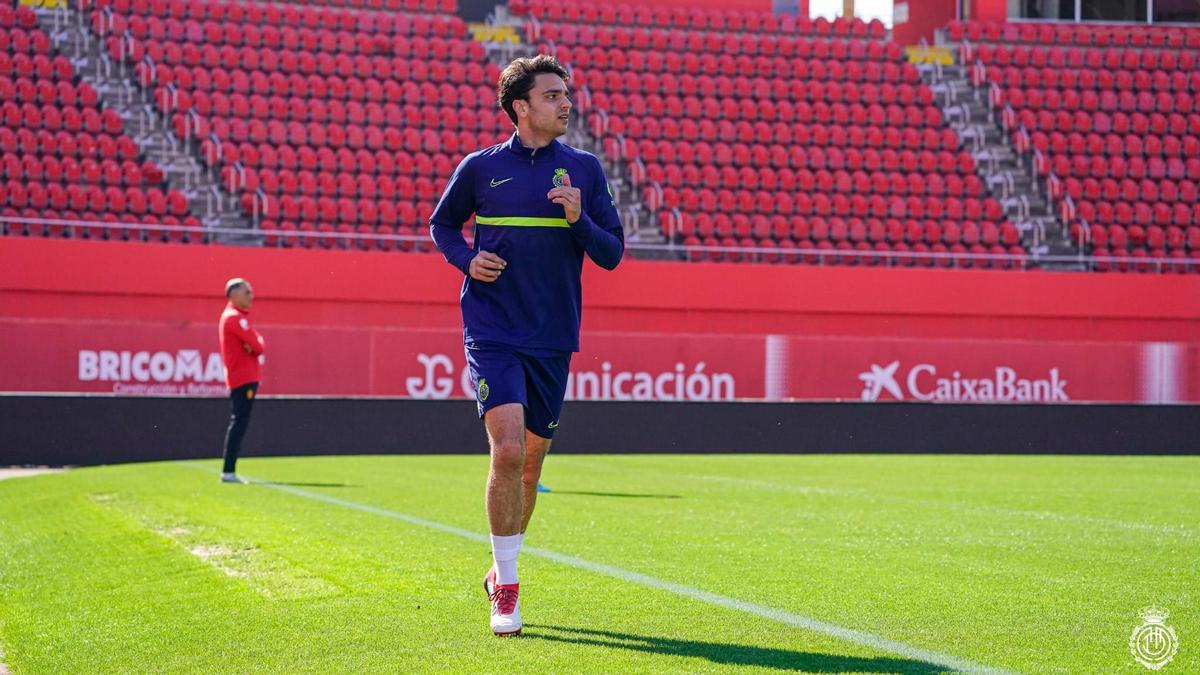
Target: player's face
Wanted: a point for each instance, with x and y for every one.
(549, 106)
(242, 296)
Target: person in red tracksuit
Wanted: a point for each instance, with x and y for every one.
(242, 350)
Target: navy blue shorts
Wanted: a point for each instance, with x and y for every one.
(502, 375)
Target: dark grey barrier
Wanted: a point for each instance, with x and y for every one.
(82, 430)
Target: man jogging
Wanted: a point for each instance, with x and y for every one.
(539, 206)
(242, 351)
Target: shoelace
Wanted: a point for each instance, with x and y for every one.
(505, 599)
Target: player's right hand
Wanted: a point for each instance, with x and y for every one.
(486, 266)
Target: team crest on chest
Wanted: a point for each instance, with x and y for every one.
(559, 174)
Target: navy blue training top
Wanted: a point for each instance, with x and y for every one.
(536, 303)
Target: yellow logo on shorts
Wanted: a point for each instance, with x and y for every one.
(249, 393)
(553, 425)
(483, 390)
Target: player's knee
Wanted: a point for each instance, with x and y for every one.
(533, 463)
(508, 457)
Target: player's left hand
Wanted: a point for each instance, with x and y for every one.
(568, 197)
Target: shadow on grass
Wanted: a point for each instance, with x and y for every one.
(316, 485)
(630, 495)
(732, 654)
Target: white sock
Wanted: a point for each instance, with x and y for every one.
(504, 552)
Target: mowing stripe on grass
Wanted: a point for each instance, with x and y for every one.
(270, 575)
(1180, 530)
(867, 495)
(716, 599)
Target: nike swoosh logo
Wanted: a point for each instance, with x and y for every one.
(497, 183)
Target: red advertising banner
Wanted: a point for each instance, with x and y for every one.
(182, 359)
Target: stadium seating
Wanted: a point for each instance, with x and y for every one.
(748, 134)
(763, 133)
(1111, 118)
(62, 156)
(347, 121)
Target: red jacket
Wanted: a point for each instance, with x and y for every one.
(241, 367)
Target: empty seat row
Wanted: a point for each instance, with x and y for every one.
(828, 253)
(35, 169)
(748, 177)
(235, 132)
(287, 62)
(65, 144)
(269, 15)
(796, 156)
(780, 133)
(1037, 101)
(1074, 60)
(1143, 143)
(60, 117)
(1121, 238)
(1137, 213)
(19, 16)
(405, 58)
(800, 229)
(104, 226)
(135, 200)
(1082, 34)
(1129, 190)
(308, 234)
(321, 90)
(282, 118)
(1079, 82)
(663, 16)
(720, 45)
(747, 202)
(426, 159)
(778, 74)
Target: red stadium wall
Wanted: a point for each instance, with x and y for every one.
(989, 10)
(754, 5)
(74, 316)
(924, 17)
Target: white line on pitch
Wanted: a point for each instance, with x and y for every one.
(778, 615)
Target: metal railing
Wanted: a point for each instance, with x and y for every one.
(780, 255)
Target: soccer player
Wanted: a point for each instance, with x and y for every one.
(539, 206)
(242, 350)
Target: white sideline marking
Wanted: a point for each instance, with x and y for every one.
(3, 668)
(778, 615)
(21, 473)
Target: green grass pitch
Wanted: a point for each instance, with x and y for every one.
(658, 563)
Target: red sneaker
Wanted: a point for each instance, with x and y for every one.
(506, 609)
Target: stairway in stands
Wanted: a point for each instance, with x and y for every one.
(969, 111)
(113, 80)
